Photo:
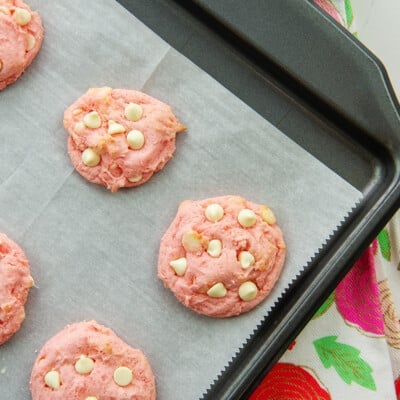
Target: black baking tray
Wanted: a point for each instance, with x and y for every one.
(320, 86)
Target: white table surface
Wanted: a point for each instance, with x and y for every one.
(378, 27)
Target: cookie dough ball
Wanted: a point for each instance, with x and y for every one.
(221, 256)
(15, 281)
(87, 361)
(21, 36)
(120, 138)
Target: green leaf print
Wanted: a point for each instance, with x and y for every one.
(349, 12)
(325, 306)
(346, 361)
(384, 244)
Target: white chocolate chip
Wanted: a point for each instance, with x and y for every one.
(84, 365)
(90, 158)
(192, 241)
(247, 218)
(5, 10)
(91, 398)
(179, 266)
(248, 291)
(214, 248)
(123, 376)
(79, 127)
(31, 42)
(100, 93)
(52, 379)
(92, 120)
(217, 291)
(31, 282)
(135, 178)
(115, 127)
(22, 16)
(133, 112)
(246, 259)
(267, 215)
(135, 139)
(77, 111)
(214, 212)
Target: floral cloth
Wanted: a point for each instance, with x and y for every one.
(351, 347)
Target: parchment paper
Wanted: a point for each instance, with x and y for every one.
(94, 254)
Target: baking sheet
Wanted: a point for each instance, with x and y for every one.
(93, 253)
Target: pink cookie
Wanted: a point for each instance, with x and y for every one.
(15, 281)
(21, 36)
(87, 361)
(221, 256)
(120, 138)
